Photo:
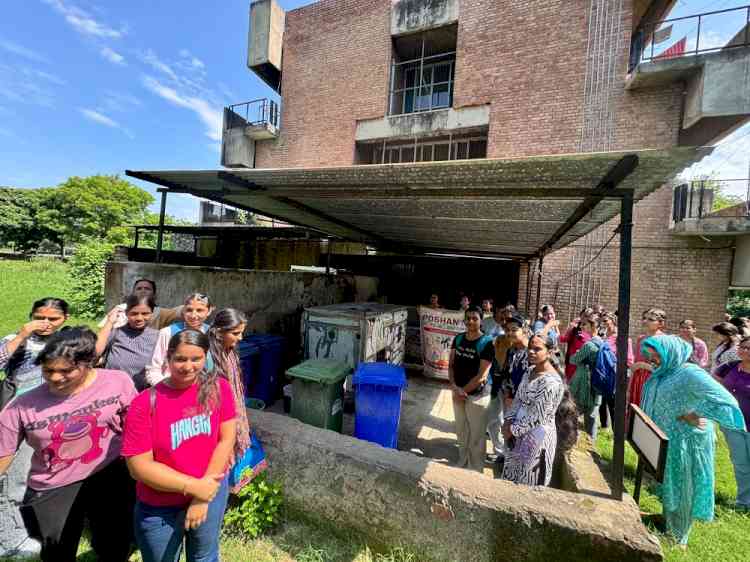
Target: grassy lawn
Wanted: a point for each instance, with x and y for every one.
(22, 282)
(294, 541)
(725, 539)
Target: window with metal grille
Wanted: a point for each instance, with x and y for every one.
(424, 150)
(422, 71)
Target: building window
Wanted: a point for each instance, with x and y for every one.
(423, 70)
(424, 150)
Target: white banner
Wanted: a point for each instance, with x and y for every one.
(438, 328)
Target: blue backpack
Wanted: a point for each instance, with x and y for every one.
(604, 372)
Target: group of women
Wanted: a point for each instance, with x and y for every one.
(672, 378)
(134, 430)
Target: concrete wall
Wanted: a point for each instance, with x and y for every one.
(443, 513)
(273, 300)
(429, 123)
(409, 16)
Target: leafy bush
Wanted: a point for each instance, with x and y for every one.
(87, 278)
(256, 510)
(738, 303)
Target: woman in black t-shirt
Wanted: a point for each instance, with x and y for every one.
(470, 361)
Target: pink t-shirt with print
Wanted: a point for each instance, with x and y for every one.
(180, 435)
(72, 436)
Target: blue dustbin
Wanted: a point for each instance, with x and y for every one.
(249, 358)
(378, 389)
(262, 366)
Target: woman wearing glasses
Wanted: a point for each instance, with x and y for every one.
(654, 321)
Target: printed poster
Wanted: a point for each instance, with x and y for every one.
(438, 328)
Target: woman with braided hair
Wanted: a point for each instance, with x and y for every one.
(179, 442)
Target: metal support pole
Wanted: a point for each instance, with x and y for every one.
(528, 286)
(137, 237)
(540, 264)
(160, 233)
(623, 332)
(328, 256)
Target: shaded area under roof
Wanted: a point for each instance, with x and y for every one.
(519, 207)
(240, 230)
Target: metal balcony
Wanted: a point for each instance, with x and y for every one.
(259, 119)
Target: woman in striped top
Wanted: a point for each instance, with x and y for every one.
(130, 347)
(195, 311)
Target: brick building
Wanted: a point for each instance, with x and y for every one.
(365, 82)
(546, 77)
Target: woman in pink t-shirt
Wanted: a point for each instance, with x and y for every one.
(179, 439)
(73, 423)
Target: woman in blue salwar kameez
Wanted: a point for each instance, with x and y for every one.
(684, 401)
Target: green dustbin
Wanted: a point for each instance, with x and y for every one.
(318, 392)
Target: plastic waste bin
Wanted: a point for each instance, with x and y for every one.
(249, 355)
(262, 366)
(318, 392)
(378, 389)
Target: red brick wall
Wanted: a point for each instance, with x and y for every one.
(686, 276)
(335, 71)
(528, 60)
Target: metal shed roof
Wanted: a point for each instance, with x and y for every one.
(518, 207)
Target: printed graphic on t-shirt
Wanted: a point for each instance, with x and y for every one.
(187, 428)
(74, 436)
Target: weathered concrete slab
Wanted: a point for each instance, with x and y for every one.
(428, 123)
(408, 16)
(445, 513)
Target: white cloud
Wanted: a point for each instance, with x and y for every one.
(112, 56)
(25, 85)
(209, 114)
(194, 61)
(32, 73)
(100, 118)
(119, 101)
(82, 22)
(150, 58)
(729, 160)
(21, 51)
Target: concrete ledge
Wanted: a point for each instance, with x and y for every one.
(408, 16)
(427, 123)
(444, 513)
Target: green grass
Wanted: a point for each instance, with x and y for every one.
(726, 539)
(294, 541)
(23, 282)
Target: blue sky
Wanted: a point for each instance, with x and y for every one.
(95, 86)
(100, 86)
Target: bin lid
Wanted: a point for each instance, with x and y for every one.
(384, 374)
(324, 371)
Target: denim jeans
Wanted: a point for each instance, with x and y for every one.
(160, 531)
(739, 450)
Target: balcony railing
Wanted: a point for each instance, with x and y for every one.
(261, 112)
(711, 199)
(691, 35)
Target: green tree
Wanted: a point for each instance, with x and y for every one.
(21, 225)
(148, 237)
(722, 197)
(93, 206)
